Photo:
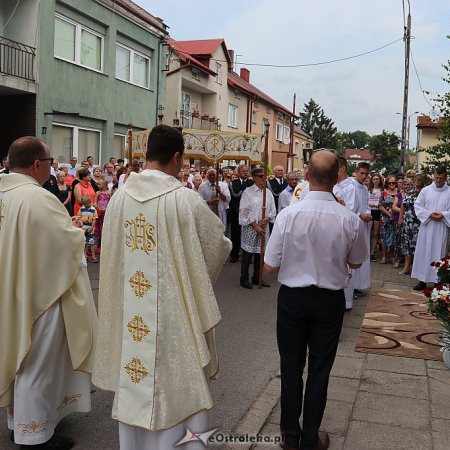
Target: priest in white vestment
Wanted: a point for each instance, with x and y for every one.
(157, 309)
(362, 275)
(216, 194)
(253, 226)
(346, 190)
(432, 208)
(47, 312)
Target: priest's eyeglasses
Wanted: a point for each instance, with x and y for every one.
(47, 159)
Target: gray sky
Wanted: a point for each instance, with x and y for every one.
(363, 93)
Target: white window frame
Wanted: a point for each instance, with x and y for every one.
(75, 130)
(286, 135)
(279, 130)
(78, 29)
(125, 142)
(232, 117)
(187, 113)
(254, 117)
(132, 53)
(218, 73)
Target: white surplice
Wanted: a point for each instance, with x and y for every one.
(347, 192)
(250, 210)
(46, 388)
(433, 234)
(362, 275)
(132, 438)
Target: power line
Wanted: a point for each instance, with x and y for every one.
(418, 79)
(11, 16)
(308, 64)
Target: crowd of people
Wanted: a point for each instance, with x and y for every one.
(167, 244)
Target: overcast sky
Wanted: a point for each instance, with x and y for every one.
(363, 93)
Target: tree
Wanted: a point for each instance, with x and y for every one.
(439, 155)
(385, 152)
(351, 139)
(320, 127)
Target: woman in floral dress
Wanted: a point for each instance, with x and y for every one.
(410, 224)
(387, 230)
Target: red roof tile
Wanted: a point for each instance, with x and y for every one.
(358, 154)
(186, 56)
(427, 122)
(235, 80)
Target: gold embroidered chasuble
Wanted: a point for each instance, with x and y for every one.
(40, 254)
(157, 309)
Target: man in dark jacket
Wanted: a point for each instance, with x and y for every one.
(278, 183)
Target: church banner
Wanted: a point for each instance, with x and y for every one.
(210, 146)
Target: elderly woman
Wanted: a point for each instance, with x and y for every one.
(410, 222)
(197, 181)
(406, 184)
(83, 187)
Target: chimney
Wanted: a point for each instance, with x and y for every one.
(245, 74)
(231, 54)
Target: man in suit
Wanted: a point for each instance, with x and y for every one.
(237, 187)
(277, 184)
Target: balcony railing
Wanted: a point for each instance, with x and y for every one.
(17, 59)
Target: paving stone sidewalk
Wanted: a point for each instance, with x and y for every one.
(374, 401)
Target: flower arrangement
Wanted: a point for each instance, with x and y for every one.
(439, 298)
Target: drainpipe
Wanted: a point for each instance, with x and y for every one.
(162, 42)
(250, 101)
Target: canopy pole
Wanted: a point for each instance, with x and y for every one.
(263, 214)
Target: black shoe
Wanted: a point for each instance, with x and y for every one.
(358, 293)
(234, 259)
(55, 443)
(373, 259)
(263, 284)
(11, 437)
(420, 286)
(348, 309)
(246, 284)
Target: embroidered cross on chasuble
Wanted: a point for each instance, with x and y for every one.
(140, 312)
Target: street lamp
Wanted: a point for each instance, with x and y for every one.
(409, 125)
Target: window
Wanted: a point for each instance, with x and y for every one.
(132, 67)
(279, 132)
(254, 116)
(218, 73)
(287, 135)
(195, 74)
(186, 107)
(120, 142)
(62, 143)
(76, 141)
(232, 116)
(77, 44)
(297, 149)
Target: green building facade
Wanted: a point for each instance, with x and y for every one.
(101, 65)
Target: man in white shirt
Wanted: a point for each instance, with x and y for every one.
(312, 244)
(73, 167)
(286, 195)
(216, 194)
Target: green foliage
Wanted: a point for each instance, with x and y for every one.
(320, 127)
(385, 152)
(439, 155)
(353, 139)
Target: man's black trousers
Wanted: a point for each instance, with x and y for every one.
(235, 230)
(245, 265)
(310, 319)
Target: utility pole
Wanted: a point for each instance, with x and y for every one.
(291, 154)
(407, 39)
